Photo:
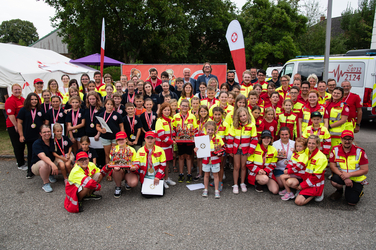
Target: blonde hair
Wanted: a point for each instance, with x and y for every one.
(237, 114)
(57, 126)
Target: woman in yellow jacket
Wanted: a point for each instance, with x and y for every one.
(262, 163)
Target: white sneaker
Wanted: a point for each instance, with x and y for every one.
(235, 189)
(224, 176)
(165, 184)
(170, 182)
(243, 187)
(23, 167)
(320, 198)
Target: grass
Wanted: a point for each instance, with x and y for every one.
(5, 144)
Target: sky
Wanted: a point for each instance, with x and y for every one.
(39, 13)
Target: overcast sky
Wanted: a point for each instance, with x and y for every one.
(39, 13)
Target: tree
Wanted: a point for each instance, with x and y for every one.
(358, 24)
(18, 31)
(152, 31)
(271, 31)
(312, 10)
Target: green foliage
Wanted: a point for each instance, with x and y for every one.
(114, 71)
(358, 24)
(153, 31)
(18, 31)
(271, 31)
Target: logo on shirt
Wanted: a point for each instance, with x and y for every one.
(90, 155)
(271, 128)
(9, 111)
(347, 109)
(60, 114)
(114, 117)
(79, 115)
(39, 113)
(65, 143)
(120, 111)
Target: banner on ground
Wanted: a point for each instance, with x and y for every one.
(174, 70)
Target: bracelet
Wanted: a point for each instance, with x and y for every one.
(358, 124)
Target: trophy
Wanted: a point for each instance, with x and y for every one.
(121, 159)
(184, 134)
(218, 150)
(281, 154)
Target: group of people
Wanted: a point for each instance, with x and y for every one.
(279, 138)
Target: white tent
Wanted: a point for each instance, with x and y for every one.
(20, 64)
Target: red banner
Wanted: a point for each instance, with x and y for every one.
(174, 70)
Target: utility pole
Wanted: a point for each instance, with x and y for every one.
(327, 40)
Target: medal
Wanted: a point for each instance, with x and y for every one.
(132, 137)
(57, 115)
(75, 131)
(131, 124)
(33, 114)
(149, 120)
(33, 125)
(91, 125)
(151, 170)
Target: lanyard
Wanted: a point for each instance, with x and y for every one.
(183, 118)
(118, 109)
(104, 116)
(347, 97)
(92, 114)
(131, 123)
(211, 103)
(62, 144)
(33, 114)
(288, 147)
(75, 119)
(318, 131)
(57, 115)
(149, 119)
(44, 106)
(131, 99)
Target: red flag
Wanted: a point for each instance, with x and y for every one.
(235, 41)
(103, 39)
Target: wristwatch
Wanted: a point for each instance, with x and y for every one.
(358, 124)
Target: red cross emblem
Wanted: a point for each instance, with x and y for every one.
(234, 37)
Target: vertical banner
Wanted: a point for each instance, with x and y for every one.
(234, 36)
(103, 38)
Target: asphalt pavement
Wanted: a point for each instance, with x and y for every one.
(33, 219)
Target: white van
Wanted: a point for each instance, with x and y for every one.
(356, 66)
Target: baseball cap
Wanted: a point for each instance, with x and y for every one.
(150, 133)
(81, 155)
(121, 135)
(266, 133)
(347, 133)
(316, 114)
(38, 80)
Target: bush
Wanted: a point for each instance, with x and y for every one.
(114, 71)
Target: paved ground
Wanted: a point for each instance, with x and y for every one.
(32, 219)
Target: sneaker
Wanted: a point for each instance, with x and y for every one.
(211, 184)
(197, 178)
(336, 195)
(165, 185)
(283, 192)
(205, 193)
(94, 197)
(170, 182)
(243, 187)
(80, 207)
(127, 187)
(224, 176)
(52, 179)
(220, 187)
(29, 175)
(189, 178)
(217, 194)
(288, 196)
(297, 193)
(23, 167)
(47, 188)
(181, 178)
(320, 198)
(235, 189)
(259, 188)
(117, 192)
(330, 177)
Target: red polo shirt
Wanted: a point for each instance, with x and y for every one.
(159, 82)
(12, 107)
(354, 102)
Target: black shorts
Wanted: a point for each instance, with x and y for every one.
(352, 194)
(185, 148)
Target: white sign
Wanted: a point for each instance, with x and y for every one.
(352, 72)
(203, 145)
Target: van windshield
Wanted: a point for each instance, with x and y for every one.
(287, 70)
(305, 69)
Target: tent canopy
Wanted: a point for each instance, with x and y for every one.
(95, 59)
(20, 64)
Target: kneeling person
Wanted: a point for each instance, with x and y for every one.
(349, 164)
(151, 160)
(83, 180)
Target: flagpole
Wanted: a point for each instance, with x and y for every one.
(102, 47)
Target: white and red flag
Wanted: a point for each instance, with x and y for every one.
(103, 39)
(235, 41)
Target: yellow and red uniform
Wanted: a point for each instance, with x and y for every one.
(213, 159)
(245, 89)
(262, 158)
(289, 120)
(158, 163)
(209, 102)
(324, 136)
(335, 110)
(305, 114)
(244, 137)
(297, 164)
(284, 94)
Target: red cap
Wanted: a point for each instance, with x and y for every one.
(347, 133)
(121, 135)
(38, 80)
(150, 133)
(81, 155)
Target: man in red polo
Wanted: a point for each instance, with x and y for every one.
(355, 104)
(154, 80)
(99, 86)
(349, 165)
(261, 74)
(304, 92)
